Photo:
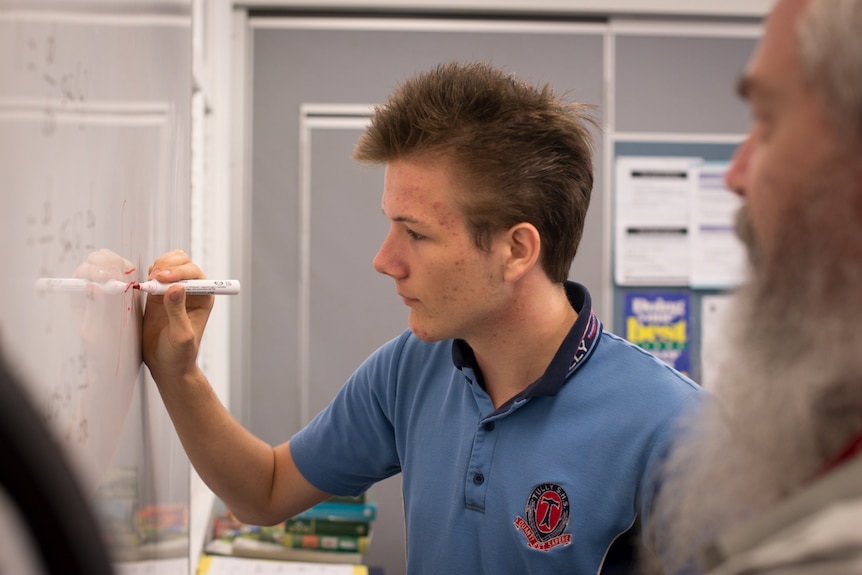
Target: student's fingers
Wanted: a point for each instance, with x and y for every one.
(174, 266)
(181, 333)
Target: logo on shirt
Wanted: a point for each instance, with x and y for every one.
(547, 514)
(590, 336)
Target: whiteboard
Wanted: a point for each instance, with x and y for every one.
(94, 167)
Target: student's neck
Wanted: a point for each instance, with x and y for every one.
(518, 351)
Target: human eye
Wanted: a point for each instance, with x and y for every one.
(762, 132)
(763, 115)
(762, 126)
(760, 105)
(413, 235)
(761, 119)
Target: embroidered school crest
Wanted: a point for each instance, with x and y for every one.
(547, 514)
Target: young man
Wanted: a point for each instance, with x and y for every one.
(784, 435)
(527, 437)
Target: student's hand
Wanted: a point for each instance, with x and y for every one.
(174, 323)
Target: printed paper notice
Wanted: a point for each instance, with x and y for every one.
(717, 255)
(653, 199)
(658, 321)
(714, 342)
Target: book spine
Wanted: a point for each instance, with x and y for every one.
(347, 499)
(326, 527)
(326, 542)
(345, 511)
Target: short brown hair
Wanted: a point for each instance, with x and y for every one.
(526, 154)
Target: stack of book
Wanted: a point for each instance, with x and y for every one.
(335, 531)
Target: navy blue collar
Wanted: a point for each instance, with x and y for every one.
(572, 353)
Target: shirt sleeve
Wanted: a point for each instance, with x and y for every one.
(351, 445)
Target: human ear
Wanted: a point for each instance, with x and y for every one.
(523, 244)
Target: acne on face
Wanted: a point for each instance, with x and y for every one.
(430, 254)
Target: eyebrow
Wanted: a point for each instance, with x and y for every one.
(403, 219)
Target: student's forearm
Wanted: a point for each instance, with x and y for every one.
(237, 466)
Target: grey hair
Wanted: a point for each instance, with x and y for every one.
(830, 36)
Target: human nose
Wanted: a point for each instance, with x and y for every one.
(386, 261)
(736, 177)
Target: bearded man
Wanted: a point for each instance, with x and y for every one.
(781, 439)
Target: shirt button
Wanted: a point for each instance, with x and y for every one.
(478, 479)
(489, 426)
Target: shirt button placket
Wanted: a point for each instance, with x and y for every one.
(480, 463)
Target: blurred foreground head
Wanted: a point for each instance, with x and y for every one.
(788, 396)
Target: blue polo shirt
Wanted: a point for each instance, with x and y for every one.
(544, 484)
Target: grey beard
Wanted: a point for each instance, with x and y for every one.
(787, 397)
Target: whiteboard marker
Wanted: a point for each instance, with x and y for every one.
(193, 287)
(72, 285)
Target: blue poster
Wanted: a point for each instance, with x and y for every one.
(658, 322)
